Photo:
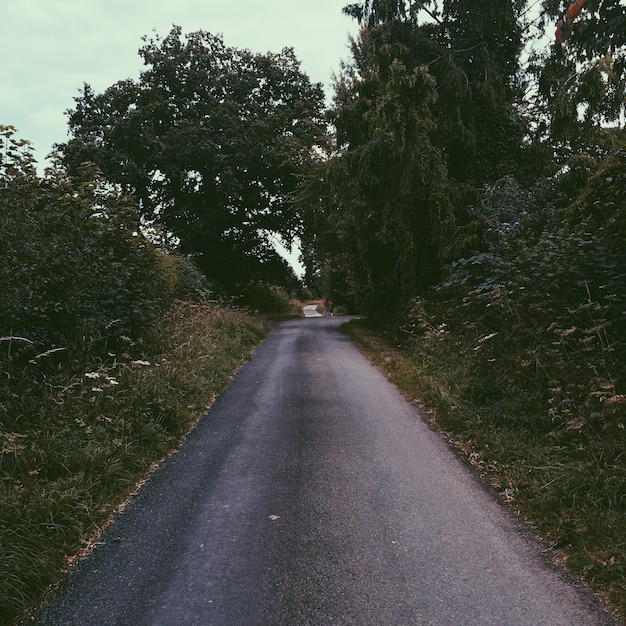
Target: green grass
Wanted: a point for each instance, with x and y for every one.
(83, 439)
(568, 481)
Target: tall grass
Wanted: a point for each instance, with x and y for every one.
(561, 464)
(85, 435)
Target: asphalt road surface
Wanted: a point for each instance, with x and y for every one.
(313, 493)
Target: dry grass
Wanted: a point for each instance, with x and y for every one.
(90, 436)
(568, 483)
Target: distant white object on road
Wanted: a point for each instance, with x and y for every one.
(310, 310)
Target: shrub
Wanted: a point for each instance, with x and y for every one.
(79, 280)
(74, 263)
(268, 299)
(522, 355)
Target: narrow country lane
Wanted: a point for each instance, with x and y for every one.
(310, 310)
(313, 493)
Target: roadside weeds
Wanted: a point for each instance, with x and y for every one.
(82, 442)
(568, 489)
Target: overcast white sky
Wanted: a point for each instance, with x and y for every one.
(49, 48)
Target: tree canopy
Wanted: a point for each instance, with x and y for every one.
(226, 148)
(210, 140)
(426, 105)
(389, 209)
(581, 81)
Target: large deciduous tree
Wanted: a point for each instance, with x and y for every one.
(211, 140)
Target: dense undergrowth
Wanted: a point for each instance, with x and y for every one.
(75, 453)
(110, 349)
(520, 357)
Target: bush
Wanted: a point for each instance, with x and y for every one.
(267, 299)
(79, 280)
(522, 355)
(74, 265)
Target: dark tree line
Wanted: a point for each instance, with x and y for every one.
(424, 115)
(434, 105)
(225, 148)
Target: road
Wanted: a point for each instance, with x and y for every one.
(310, 310)
(313, 492)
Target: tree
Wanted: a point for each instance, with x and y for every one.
(373, 12)
(424, 111)
(380, 215)
(472, 49)
(581, 82)
(478, 75)
(210, 140)
(600, 28)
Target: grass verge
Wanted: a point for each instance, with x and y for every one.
(75, 453)
(569, 484)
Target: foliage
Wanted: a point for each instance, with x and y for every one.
(519, 353)
(210, 140)
(476, 64)
(383, 119)
(581, 83)
(267, 299)
(424, 115)
(374, 12)
(83, 441)
(550, 285)
(98, 375)
(471, 48)
(600, 28)
(75, 267)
